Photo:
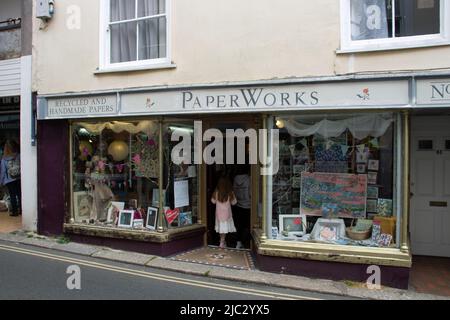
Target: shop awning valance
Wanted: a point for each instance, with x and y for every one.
(360, 127)
(145, 126)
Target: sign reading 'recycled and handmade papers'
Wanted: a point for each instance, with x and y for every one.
(346, 193)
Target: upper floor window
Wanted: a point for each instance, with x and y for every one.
(134, 33)
(393, 24)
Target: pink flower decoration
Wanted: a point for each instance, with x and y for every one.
(151, 142)
(137, 159)
(101, 165)
(85, 151)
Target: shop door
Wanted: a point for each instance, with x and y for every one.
(213, 174)
(430, 186)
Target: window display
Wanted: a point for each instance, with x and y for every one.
(180, 180)
(336, 172)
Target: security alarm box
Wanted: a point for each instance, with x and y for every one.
(43, 9)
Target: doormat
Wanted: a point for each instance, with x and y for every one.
(215, 256)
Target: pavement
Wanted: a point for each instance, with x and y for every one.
(345, 289)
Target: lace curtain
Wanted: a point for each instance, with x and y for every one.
(360, 127)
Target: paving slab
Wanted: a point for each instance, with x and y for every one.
(123, 256)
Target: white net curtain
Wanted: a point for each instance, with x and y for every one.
(360, 127)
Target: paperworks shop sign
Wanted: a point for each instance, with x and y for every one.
(82, 106)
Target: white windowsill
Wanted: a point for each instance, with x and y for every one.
(135, 68)
(389, 47)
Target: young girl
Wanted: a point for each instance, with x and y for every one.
(223, 197)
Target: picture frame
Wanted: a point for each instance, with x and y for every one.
(372, 177)
(114, 207)
(372, 192)
(292, 225)
(384, 207)
(138, 223)
(274, 232)
(328, 230)
(372, 205)
(185, 218)
(82, 206)
(126, 218)
(361, 168)
(373, 165)
(152, 218)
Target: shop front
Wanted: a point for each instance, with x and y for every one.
(329, 182)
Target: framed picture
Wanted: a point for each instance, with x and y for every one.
(185, 218)
(126, 218)
(372, 192)
(384, 207)
(328, 230)
(138, 223)
(292, 224)
(373, 165)
(113, 211)
(372, 177)
(361, 168)
(82, 206)
(274, 232)
(372, 205)
(152, 218)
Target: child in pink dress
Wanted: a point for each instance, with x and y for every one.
(223, 197)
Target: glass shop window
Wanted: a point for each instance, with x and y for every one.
(335, 180)
(180, 174)
(116, 174)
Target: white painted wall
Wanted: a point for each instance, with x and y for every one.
(10, 9)
(28, 152)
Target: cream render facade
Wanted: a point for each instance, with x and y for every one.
(218, 42)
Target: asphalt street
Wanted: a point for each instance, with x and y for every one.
(33, 273)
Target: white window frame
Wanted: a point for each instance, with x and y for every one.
(348, 45)
(105, 64)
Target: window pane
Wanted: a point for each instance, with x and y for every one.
(369, 19)
(122, 10)
(152, 38)
(115, 167)
(417, 17)
(151, 7)
(180, 175)
(425, 145)
(123, 42)
(335, 171)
